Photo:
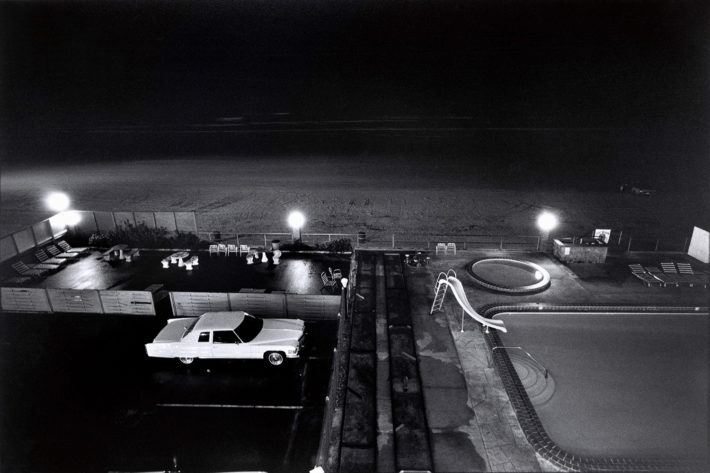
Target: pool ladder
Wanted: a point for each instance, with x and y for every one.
(440, 290)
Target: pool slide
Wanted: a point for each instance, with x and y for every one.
(460, 295)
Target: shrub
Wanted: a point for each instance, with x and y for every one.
(336, 246)
(142, 236)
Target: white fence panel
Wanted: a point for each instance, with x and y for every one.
(261, 305)
(193, 304)
(312, 306)
(71, 300)
(127, 302)
(19, 299)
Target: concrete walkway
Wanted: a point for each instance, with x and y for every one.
(472, 424)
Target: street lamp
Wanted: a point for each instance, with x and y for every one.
(57, 201)
(296, 221)
(546, 222)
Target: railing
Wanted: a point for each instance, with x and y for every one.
(265, 239)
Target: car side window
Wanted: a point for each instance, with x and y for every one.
(204, 337)
(225, 336)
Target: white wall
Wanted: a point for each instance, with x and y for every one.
(700, 245)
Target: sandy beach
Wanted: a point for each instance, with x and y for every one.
(344, 195)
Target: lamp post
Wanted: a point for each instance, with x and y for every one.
(546, 222)
(344, 282)
(296, 221)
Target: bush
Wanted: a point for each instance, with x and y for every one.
(336, 246)
(142, 236)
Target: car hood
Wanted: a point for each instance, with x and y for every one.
(174, 331)
(279, 331)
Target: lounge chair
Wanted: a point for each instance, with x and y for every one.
(685, 268)
(68, 248)
(335, 273)
(636, 268)
(57, 253)
(214, 249)
(18, 280)
(669, 268)
(43, 258)
(648, 279)
(231, 249)
(328, 283)
(23, 270)
(222, 248)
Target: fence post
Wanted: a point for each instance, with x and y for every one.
(656, 248)
(393, 240)
(685, 245)
(538, 244)
(621, 232)
(238, 245)
(501, 243)
(628, 247)
(264, 241)
(464, 244)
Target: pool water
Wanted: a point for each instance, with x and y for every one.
(621, 384)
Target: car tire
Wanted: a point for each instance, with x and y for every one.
(186, 360)
(274, 358)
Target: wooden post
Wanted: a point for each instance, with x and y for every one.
(628, 247)
(393, 240)
(656, 248)
(621, 232)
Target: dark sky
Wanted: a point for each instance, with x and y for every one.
(208, 72)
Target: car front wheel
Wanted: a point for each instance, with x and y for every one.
(274, 358)
(186, 360)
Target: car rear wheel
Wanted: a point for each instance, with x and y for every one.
(186, 360)
(274, 358)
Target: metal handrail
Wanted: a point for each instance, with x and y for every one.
(529, 356)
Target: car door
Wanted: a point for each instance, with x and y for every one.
(226, 344)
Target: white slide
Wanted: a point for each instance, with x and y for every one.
(457, 289)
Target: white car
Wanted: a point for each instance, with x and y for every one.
(228, 335)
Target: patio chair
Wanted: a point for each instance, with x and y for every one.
(130, 255)
(222, 248)
(214, 249)
(243, 249)
(68, 248)
(43, 258)
(451, 247)
(440, 247)
(57, 253)
(193, 261)
(165, 262)
(335, 273)
(328, 283)
(23, 270)
(669, 268)
(648, 279)
(231, 249)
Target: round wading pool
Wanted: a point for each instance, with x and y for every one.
(509, 275)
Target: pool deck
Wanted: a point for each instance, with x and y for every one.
(503, 442)
(469, 419)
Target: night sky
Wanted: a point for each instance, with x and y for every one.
(621, 83)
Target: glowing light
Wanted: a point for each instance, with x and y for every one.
(70, 219)
(538, 275)
(344, 282)
(58, 201)
(547, 221)
(296, 220)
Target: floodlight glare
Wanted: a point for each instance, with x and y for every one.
(58, 201)
(296, 220)
(71, 218)
(546, 221)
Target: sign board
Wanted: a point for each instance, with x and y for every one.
(71, 300)
(127, 302)
(602, 235)
(700, 245)
(19, 299)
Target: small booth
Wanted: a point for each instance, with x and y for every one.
(580, 250)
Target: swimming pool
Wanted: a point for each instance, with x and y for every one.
(630, 385)
(509, 275)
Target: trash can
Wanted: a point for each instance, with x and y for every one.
(275, 244)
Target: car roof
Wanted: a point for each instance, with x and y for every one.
(220, 320)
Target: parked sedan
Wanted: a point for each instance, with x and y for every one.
(228, 335)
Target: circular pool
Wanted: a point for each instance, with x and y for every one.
(509, 275)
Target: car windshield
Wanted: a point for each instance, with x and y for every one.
(189, 327)
(249, 328)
